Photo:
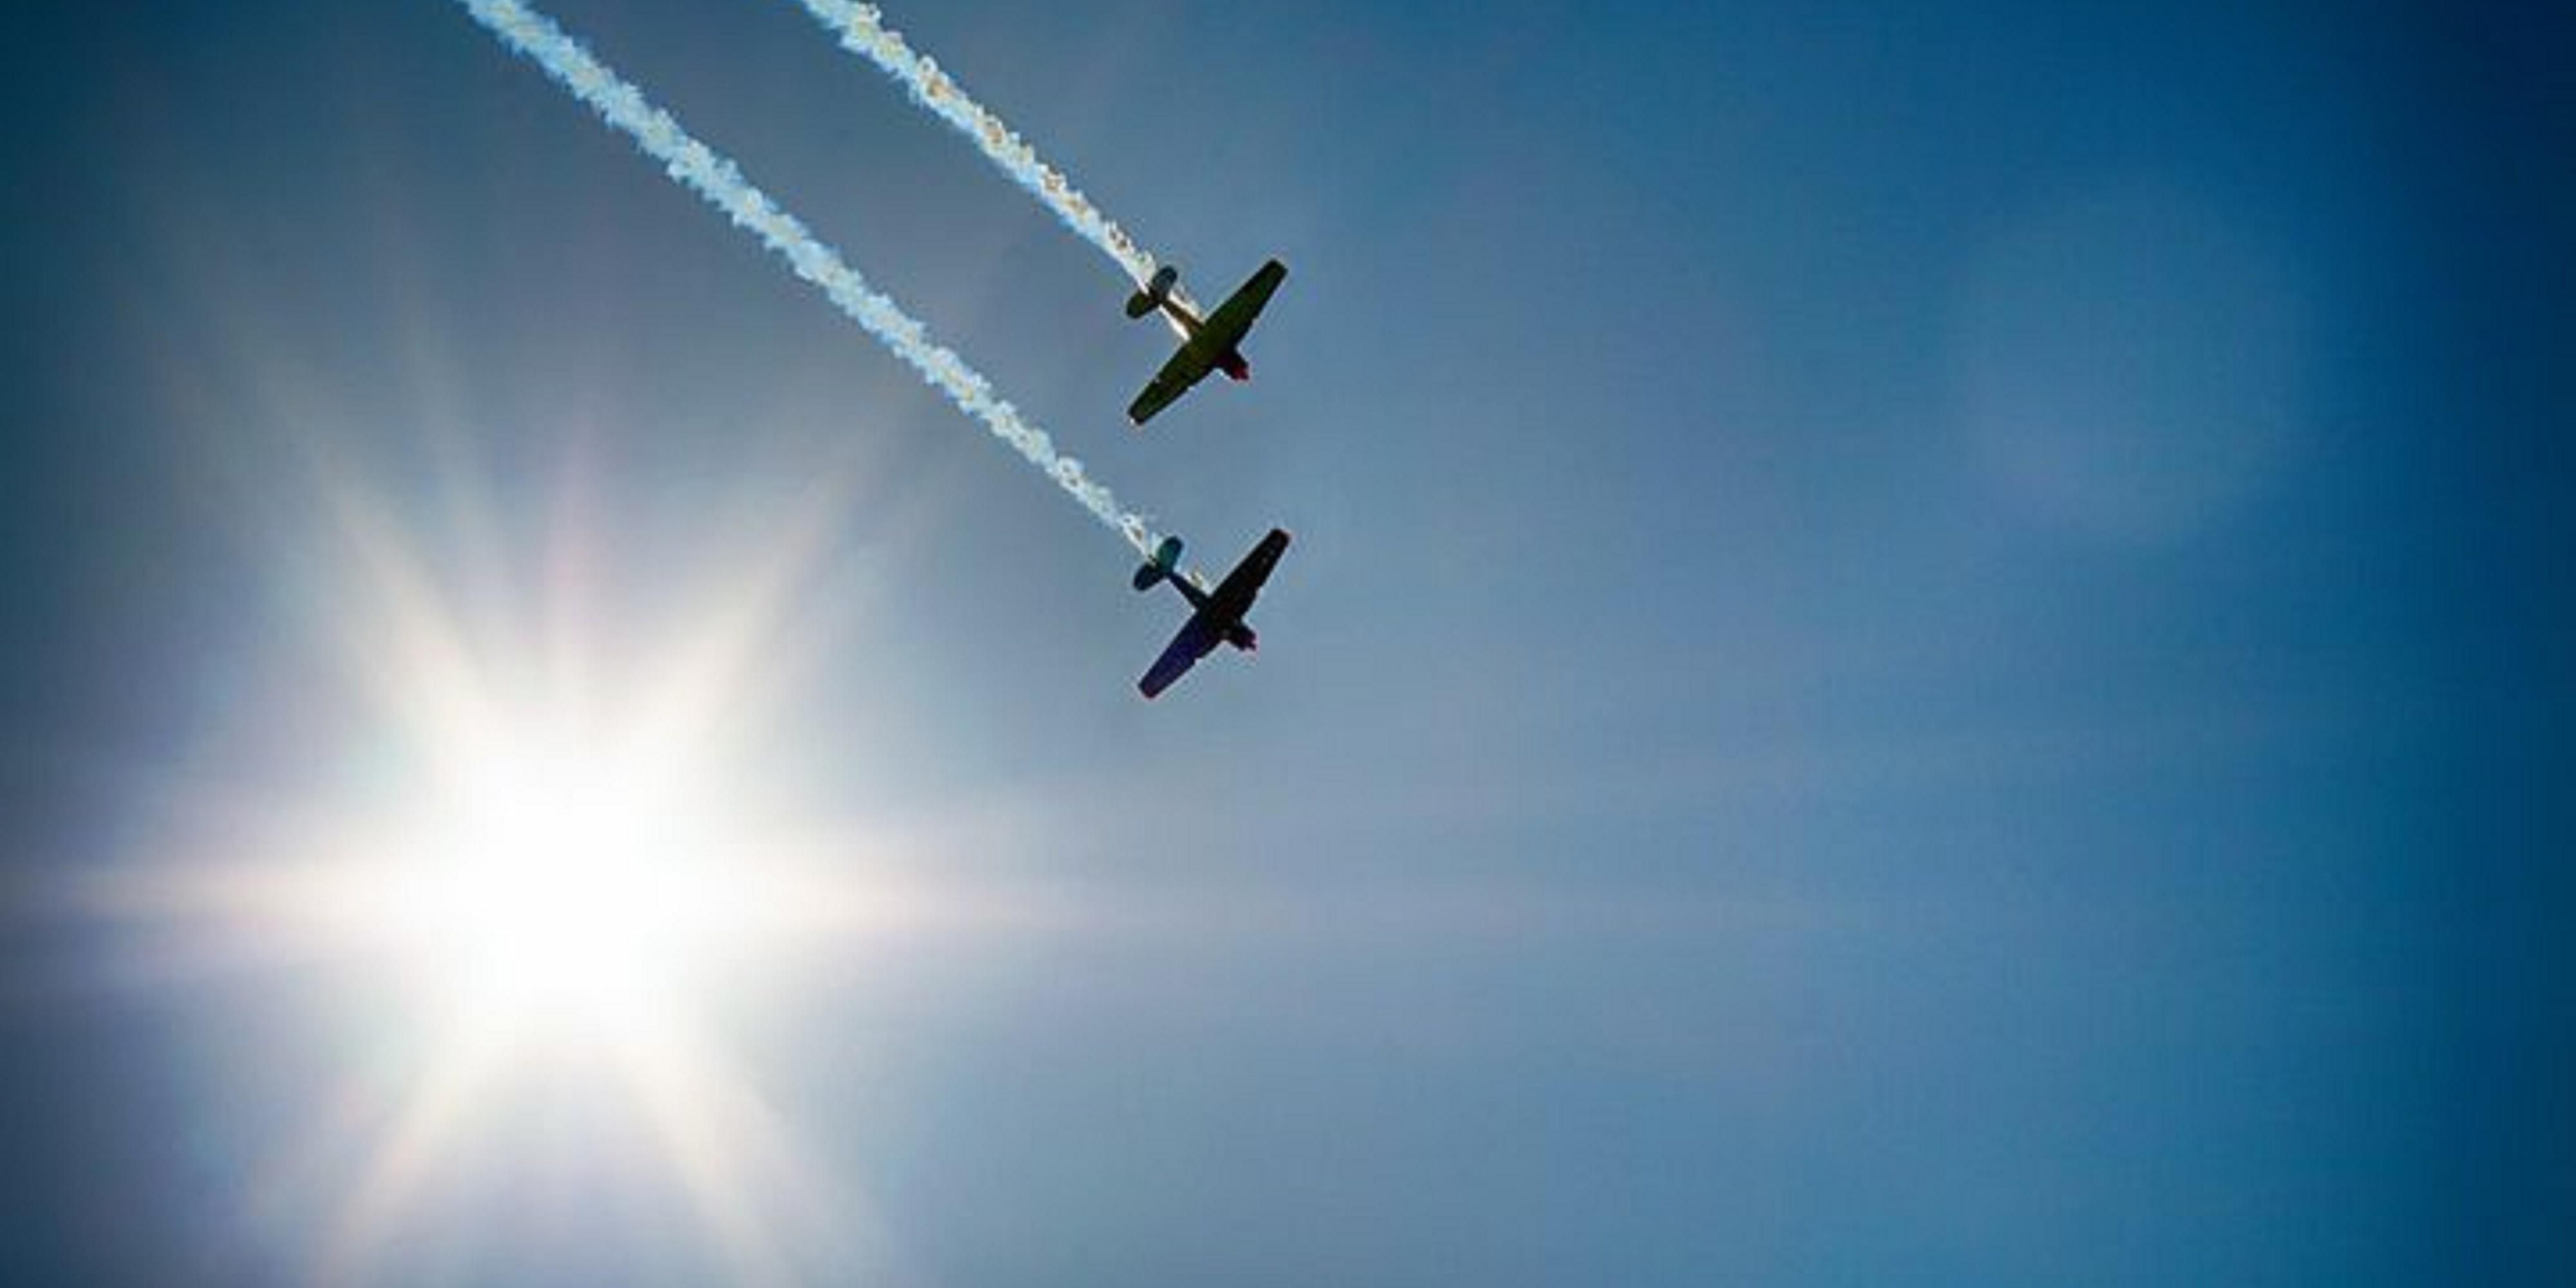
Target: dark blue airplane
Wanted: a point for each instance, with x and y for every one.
(1216, 616)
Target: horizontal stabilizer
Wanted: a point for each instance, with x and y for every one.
(1167, 558)
(1156, 291)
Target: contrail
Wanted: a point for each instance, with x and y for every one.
(697, 167)
(863, 32)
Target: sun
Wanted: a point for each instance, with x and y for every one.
(564, 892)
(556, 870)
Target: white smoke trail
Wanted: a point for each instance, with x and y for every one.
(863, 32)
(698, 168)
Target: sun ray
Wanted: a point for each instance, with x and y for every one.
(554, 874)
(426, 1118)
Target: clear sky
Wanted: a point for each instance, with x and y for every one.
(1927, 643)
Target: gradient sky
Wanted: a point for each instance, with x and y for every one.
(1927, 643)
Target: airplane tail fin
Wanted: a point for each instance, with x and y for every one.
(1167, 559)
(1156, 291)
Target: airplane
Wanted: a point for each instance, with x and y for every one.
(1211, 344)
(1216, 616)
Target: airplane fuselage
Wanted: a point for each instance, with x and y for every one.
(1224, 608)
(1231, 361)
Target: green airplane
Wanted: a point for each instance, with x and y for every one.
(1214, 343)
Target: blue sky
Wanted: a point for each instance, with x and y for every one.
(1923, 646)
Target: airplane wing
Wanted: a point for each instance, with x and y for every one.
(1243, 584)
(1188, 366)
(1233, 319)
(1196, 640)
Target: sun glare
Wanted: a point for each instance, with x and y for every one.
(564, 892)
(574, 894)
(563, 871)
